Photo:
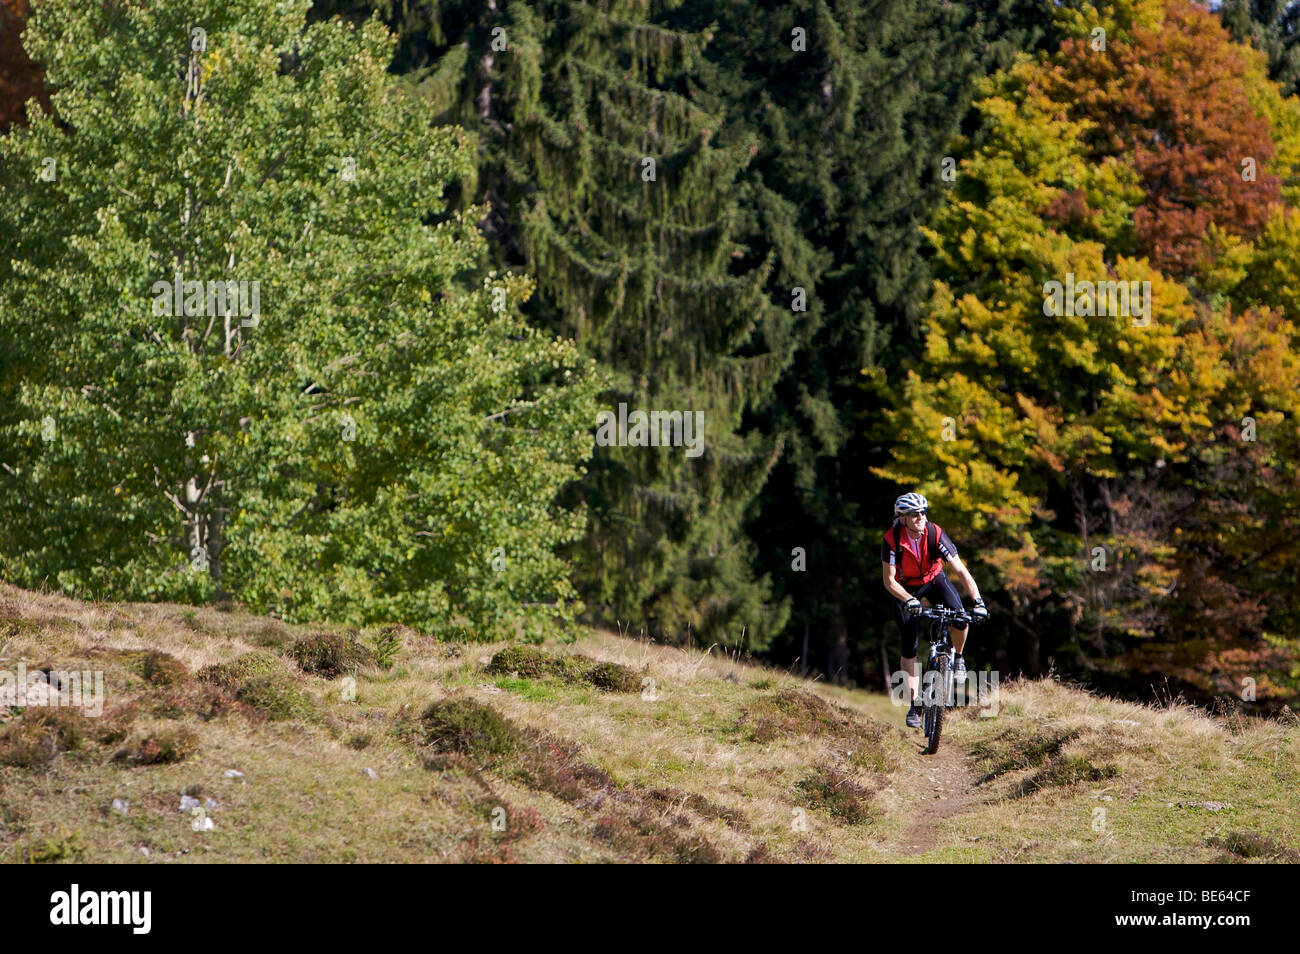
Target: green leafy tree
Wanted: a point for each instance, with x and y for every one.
(378, 435)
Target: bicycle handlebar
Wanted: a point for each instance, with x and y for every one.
(946, 613)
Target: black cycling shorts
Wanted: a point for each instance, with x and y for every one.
(938, 590)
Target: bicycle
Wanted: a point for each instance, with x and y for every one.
(937, 684)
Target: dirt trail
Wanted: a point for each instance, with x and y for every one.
(939, 786)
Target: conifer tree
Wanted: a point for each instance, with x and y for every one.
(851, 129)
(1273, 27)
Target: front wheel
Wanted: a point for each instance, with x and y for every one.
(934, 712)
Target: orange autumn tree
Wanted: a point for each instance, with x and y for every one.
(1095, 460)
(1208, 135)
(1175, 99)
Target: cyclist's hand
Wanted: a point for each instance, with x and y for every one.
(980, 612)
(912, 607)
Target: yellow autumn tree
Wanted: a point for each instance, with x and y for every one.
(1078, 408)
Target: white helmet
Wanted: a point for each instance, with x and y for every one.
(910, 503)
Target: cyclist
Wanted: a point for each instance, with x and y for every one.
(912, 555)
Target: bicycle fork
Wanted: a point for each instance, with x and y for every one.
(933, 693)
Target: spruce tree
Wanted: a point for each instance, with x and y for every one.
(851, 126)
(1272, 26)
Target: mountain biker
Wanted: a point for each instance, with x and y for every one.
(912, 555)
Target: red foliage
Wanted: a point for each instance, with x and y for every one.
(1176, 100)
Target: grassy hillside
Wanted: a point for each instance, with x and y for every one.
(609, 749)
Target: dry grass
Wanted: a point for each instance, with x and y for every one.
(446, 757)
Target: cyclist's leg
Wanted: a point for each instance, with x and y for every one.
(941, 590)
(908, 630)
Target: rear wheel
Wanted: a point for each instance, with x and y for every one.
(934, 714)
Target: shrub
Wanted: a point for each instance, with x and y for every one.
(796, 712)
(643, 834)
(613, 677)
(1014, 749)
(1249, 844)
(231, 675)
(68, 726)
(1066, 770)
(115, 724)
(551, 765)
(760, 854)
(205, 700)
(533, 663)
(836, 794)
(161, 669)
(41, 733)
(164, 747)
(65, 847)
(279, 696)
(330, 655)
(787, 713)
(23, 745)
(387, 644)
(670, 799)
(467, 727)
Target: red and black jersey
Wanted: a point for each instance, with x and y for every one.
(918, 561)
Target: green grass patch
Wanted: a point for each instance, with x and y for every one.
(529, 689)
(66, 846)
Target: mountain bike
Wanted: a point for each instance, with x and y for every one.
(937, 684)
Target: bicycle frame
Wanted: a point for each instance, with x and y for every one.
(940, 644)
(939, 668)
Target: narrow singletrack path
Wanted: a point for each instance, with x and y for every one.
(939, 786)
